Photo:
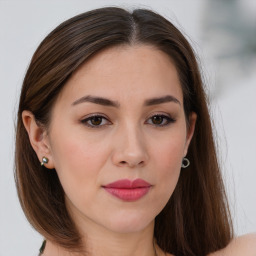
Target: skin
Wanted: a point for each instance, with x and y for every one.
(126, 143)
(243, 245)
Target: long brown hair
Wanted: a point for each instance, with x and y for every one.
(196, 220)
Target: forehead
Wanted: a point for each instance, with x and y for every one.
(126, 72)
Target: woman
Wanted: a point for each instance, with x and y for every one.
(113, 108)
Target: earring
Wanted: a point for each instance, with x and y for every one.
(185, 162)
(45, 160)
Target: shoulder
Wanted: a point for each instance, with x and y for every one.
(243, 245)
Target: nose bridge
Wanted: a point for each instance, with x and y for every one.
(134, 137)
(130, 147)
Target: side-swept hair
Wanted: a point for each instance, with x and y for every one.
(196, 220)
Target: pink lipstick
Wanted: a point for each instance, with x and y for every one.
(128, 190)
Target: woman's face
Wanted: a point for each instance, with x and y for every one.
(120, 116)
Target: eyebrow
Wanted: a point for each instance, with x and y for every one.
(97, 100)
(160, 100)
(116, 104)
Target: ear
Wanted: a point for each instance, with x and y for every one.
(190, 131)
(38, 138)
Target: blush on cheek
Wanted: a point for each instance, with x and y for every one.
(170, 155)
(169, 166)
(76, 150)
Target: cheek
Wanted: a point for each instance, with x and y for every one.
(77, 163)
(168, 157)
(168, 154)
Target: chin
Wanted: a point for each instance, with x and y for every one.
(130, 223)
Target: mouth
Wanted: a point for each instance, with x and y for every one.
(128, 190)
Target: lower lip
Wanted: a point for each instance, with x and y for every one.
(128, 194)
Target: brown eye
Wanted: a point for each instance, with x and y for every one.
(157, 119)
(96, 121)
(161, 120)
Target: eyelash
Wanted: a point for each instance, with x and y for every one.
(85, 121)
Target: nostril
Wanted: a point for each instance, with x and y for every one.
(141, 163)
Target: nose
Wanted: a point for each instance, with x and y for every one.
(130, 149)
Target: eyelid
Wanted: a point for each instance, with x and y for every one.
(87, 118)
(168, 117)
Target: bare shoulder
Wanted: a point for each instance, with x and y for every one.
(244, 245)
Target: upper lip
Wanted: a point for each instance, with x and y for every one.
(126, 183)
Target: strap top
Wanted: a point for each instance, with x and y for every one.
(41, 250)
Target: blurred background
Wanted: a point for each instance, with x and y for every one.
(223, 34)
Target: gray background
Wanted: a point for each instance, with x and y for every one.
(223, 34)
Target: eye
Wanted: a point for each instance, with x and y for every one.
(95, 121)
(161, 120)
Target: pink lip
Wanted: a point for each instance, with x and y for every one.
(128, 190)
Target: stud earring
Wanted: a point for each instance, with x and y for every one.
(185, 162)
(45, 160)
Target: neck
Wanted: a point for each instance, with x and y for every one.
(104, 242)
